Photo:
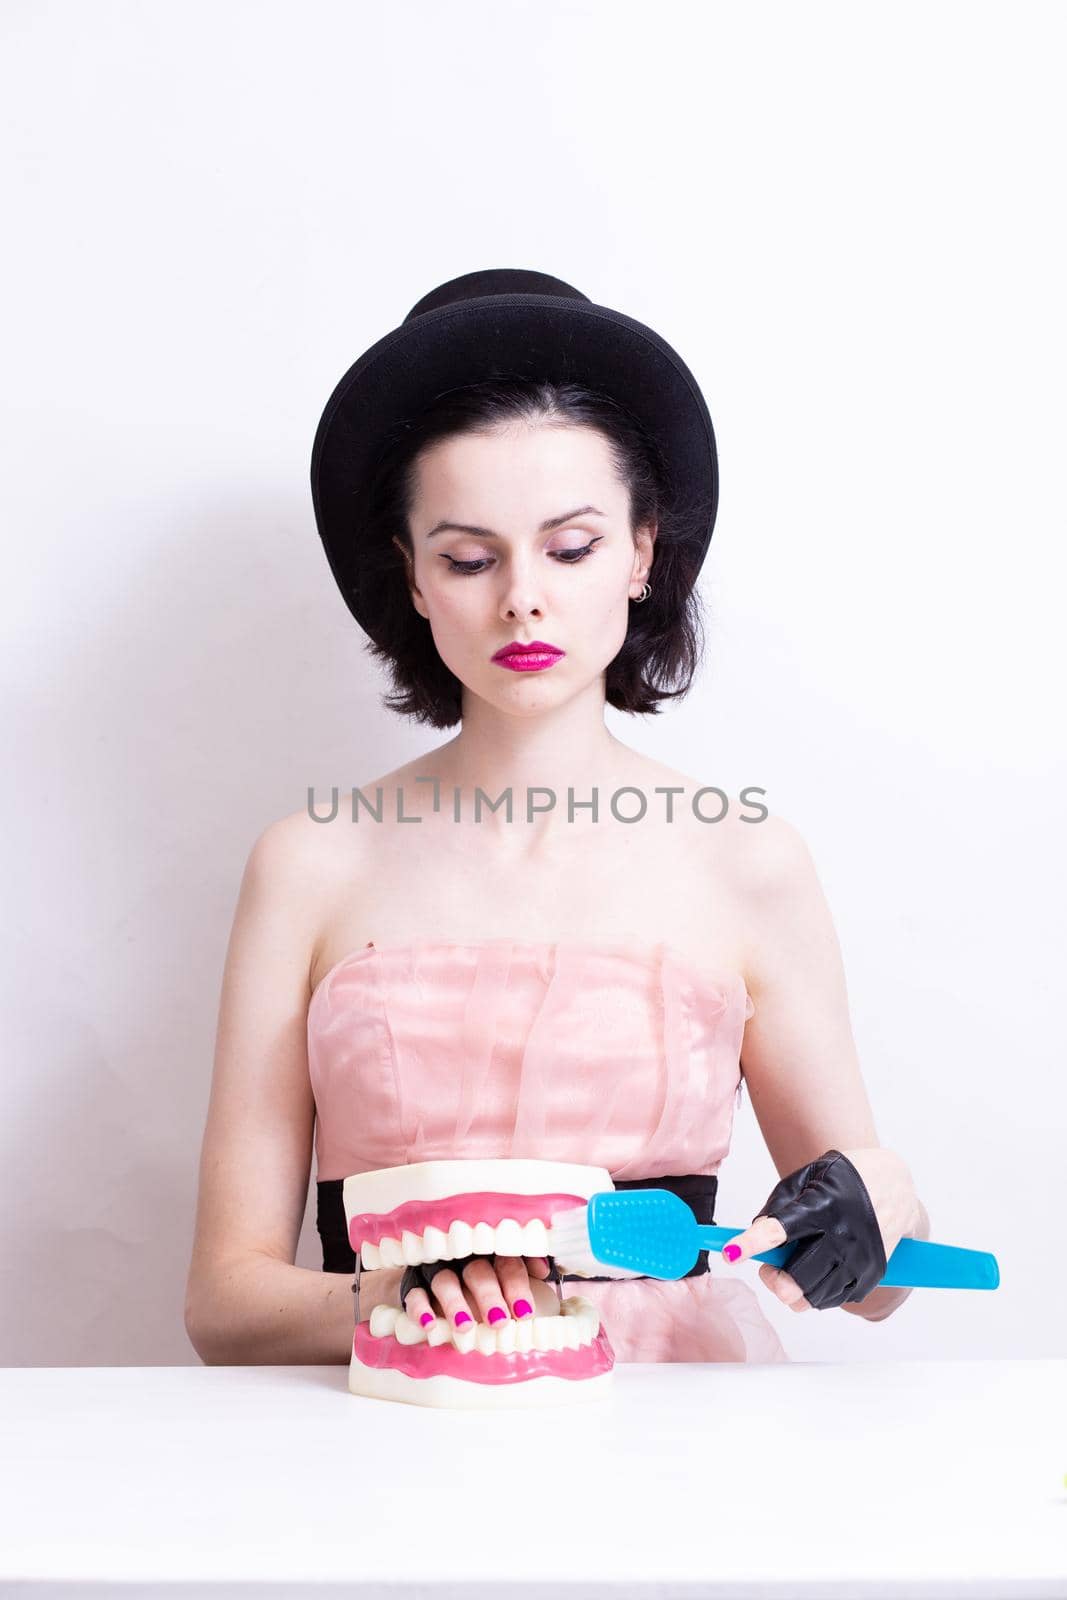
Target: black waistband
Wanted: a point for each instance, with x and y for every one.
(697, 1189)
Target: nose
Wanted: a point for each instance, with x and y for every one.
(520, 595)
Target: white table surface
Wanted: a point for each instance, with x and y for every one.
(874, 1479)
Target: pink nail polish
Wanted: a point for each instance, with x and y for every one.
(427, 1316)
(497, 1315)
(461, 1317)
(523, 1308)
(731, 1251)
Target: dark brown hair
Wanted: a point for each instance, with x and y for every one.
(663, 643)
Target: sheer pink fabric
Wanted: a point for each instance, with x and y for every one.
(615, 1055)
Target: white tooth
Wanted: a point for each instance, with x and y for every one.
(555, 1333)
(411, 1248)
(370, 1256)
(524, 1333)
(484, 1239)
(509, 1238)
(434, 1244)
(459, 1239)
(542, 1338)
(485, 1338)
(383, 1320)
(437, 1332)
(392, 1255)
(407, 1331)
(534, 1239)
(505, 1338)
(464, 1338)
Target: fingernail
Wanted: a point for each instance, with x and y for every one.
(461, 1317)
(427, 1316)
(523, 1308)
(731, 1251)
(496, 1315)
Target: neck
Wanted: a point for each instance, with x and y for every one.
(566, 749)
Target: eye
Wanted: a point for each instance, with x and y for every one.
(465, 566)
(566, 558)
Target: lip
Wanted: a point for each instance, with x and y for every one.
(532, 657)
(536, 647)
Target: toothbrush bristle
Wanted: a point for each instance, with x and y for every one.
(568, 1241)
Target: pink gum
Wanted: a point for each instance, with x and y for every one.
(427, 1361)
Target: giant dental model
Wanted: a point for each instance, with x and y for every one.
(441, 1210)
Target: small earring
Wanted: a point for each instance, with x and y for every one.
(639, 599)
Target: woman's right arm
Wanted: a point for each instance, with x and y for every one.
(246, 1303)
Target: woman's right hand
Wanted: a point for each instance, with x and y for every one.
(488, 1283)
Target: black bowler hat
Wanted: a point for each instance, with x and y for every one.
(503, 322)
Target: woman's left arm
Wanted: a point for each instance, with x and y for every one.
(799, 1057)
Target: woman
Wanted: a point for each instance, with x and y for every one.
(517, 470)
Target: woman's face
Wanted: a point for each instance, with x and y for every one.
(527, 580)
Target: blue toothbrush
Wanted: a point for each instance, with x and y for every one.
(653, 1231)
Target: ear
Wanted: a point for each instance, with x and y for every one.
(645, 540)
(409, 571)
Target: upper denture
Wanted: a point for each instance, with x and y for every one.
(477, 1222)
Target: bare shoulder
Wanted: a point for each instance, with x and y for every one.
(756, 871)
(786, 926)
(745, 840)
(316, 851)
(295, 849)
(295, 863)
(769, 854)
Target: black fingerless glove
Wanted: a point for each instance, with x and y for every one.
(826, 1208)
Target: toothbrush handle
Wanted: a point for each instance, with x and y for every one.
(914, 1264)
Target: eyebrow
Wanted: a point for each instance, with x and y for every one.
(487, 533)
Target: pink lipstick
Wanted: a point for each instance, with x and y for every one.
(531, 657)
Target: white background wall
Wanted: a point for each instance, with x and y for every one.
(849, 221)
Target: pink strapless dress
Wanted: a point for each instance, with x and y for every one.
(615, 1055)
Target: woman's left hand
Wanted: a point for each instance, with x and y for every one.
(847, 1230)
